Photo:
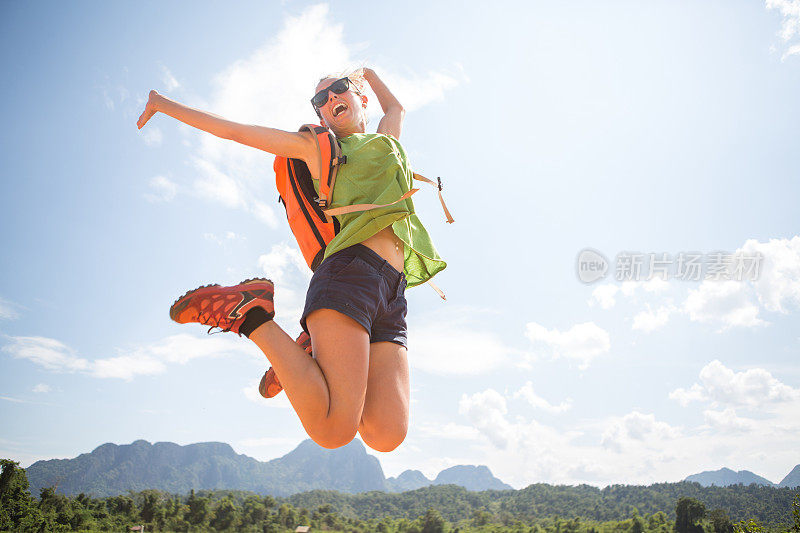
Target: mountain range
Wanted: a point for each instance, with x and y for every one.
(113, 469)
(725, 477)
(116, 469)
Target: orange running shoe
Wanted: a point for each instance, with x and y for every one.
(270, 386)
(223, 307)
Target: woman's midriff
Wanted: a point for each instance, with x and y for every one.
(387, 245)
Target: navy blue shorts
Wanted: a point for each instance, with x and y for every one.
(361, 284)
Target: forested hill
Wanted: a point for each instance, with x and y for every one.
(113, 469)
(792, 479)
(469, 477)
(616, 502)
(116, 469)
(726, 476)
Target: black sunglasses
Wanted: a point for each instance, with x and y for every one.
(338, 87)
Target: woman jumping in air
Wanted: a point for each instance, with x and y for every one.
(355, 309)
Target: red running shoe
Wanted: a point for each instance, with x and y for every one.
(223, 307)
(270, 386)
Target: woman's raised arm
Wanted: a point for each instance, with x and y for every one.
(274, 141)
(393, 112)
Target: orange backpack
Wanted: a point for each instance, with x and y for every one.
(312, 228)
(312, 222)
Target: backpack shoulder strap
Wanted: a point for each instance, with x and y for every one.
(330, 157)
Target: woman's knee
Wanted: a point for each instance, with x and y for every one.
(384, 439)
(334, 435)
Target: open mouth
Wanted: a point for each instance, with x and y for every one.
(339, 109)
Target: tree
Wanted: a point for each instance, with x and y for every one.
(749, 526)
(637, 524)
(198, 509)
(226, 515)
(269, 503)
(796, 513)
(688, 512)
(432, 522)
(122, 505)
(55, 507)
(152, 511)
(720, 521)
(287, 516)
(481, 518)
(254, 510)
(17, 509)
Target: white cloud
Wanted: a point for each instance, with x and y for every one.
(778, 283)
(264, 213)
(791, 51)
(455, 348)
(635, 428)
(637, 448)
(685, 396)
(228, 236)
(218, 186)
(281, 261)
(48, 353)
(650, 320)
(727, 421)
(42, 388)
(790, 25)
(183, 348)
(152, 136)
(605, 295)
(271, 87)
(582, 342)
(755, 388)
(725, 302)
(285, 266)
(12, 400)
(127, 367)
(114, 94)
(7, 310)
(169, 81)
(107, 100)
(281, 401)
(523, 450)
(145, 360)
(416, 91)
(486, 412)
(738, 303)
(527, 393)
(162, 189)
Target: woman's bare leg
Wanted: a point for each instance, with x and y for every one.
(328, 391)
(384, 422)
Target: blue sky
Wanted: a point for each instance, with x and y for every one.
(649, 127)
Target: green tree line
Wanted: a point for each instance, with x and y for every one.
(442, 509)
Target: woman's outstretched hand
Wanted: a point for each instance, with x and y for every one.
(149, 110)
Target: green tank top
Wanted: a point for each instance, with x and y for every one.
(377, 172)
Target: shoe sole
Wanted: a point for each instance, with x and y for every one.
(180, 304)
(275, 387)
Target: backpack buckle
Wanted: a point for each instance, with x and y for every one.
(439, 180)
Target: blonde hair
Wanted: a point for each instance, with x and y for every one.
(356, 77)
